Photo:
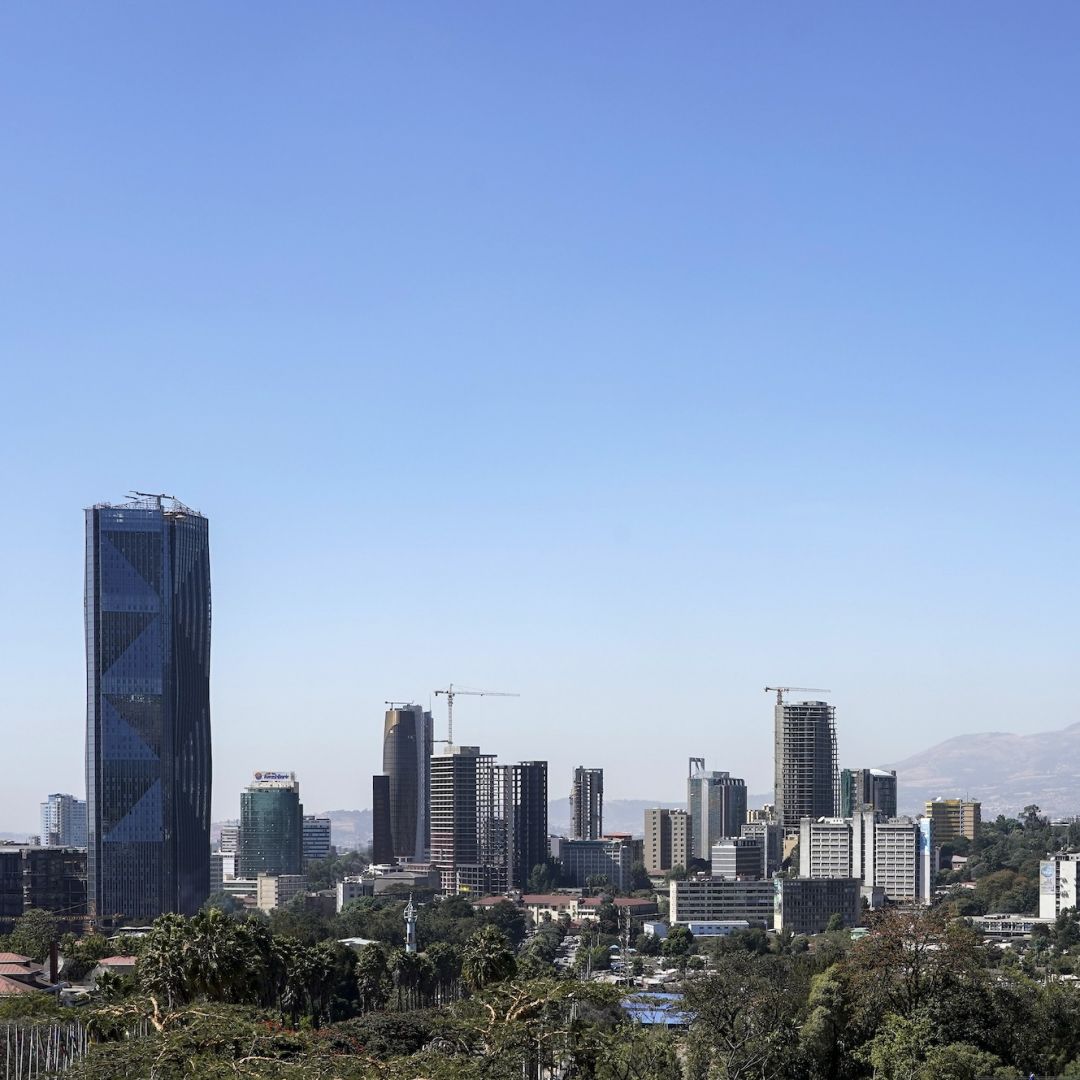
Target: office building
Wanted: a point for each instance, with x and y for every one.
(63, 822)
(408, 732)
(738, 857)
(382, 840)
(316, 837)
(868, 789)
(806, 777)
(527, 827)
(229, 840)
(709, 899)
(276, 890)
(11, 887)
(896, 857)
(716, 802)
(148, 756)
(667, 840)
(767, 833)
(469, 842)
(954, 818)
(271, 826)
(582, 860)
(587, 804)
(807, 905)
(1059, 884)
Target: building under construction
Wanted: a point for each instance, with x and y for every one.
(807, 780)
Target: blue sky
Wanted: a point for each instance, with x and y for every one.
(627, 357)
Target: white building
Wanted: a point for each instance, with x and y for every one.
(1058, 884)
(896, 856)
(63, 822)
(709, 899)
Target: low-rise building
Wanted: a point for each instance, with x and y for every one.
(717, 929)
(581, 860)
(738, 857)
(276, 890)
(709, 899)
(807, 905)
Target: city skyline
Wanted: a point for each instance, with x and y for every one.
(583, 356)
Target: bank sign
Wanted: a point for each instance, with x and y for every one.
(273, 776)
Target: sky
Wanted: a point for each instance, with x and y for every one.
(627, 357)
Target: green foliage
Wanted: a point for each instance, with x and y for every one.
(326, 873)
(34, 932)
(679, 942)
(487, 959)
(545, 877)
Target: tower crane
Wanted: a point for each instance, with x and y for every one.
(781, 690)
(450, 693)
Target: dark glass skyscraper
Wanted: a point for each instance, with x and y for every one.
(407, 746)
(527, 828)
(148, 758)
(271, 826)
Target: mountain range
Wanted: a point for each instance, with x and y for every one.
(1005, 772)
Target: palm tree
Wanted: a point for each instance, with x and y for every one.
(488, 959)
(372, 978)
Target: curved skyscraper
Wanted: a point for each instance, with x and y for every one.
(408, 732)
(148, 758)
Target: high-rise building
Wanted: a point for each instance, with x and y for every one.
(271, 826)
(408, 732)
(873, 789)
(895, 856)
(807, 781)
(587, 804)
(1059, 877)
(316, 837)
(954, 818)
(11, 887)
(63, 822)
(667, 840)
(148, 757)
(229, 840)
(382, 841)
(527, 802)
(716, 802)
(469, 842)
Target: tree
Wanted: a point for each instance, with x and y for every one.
(510, 919)
(639, 878)
(836, 922)
(35, 930)
(742, 1019)
(487, 959)
(676, 873)
(372, 978)
(679, 942)
(546, 876)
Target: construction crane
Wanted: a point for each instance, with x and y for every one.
(781, 690)
(450, 694)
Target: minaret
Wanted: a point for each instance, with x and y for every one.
(410, 926)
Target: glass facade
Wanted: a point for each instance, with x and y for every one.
(271, 827)
(407, 747)
(148, 756)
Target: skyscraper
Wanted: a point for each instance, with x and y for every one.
(63, 822)
(382, 841)
(148, 757)
(469, 843)
(527, 800)
(807, 782)
(587, 804)
(407, 745)
(873, 788)
(271, 826)
(716, 802)
(317, 832)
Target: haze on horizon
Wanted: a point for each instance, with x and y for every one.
(630, 360)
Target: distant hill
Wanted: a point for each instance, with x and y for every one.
(1005, 772)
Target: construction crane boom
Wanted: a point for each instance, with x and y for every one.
(450, 693)
(781, 690)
